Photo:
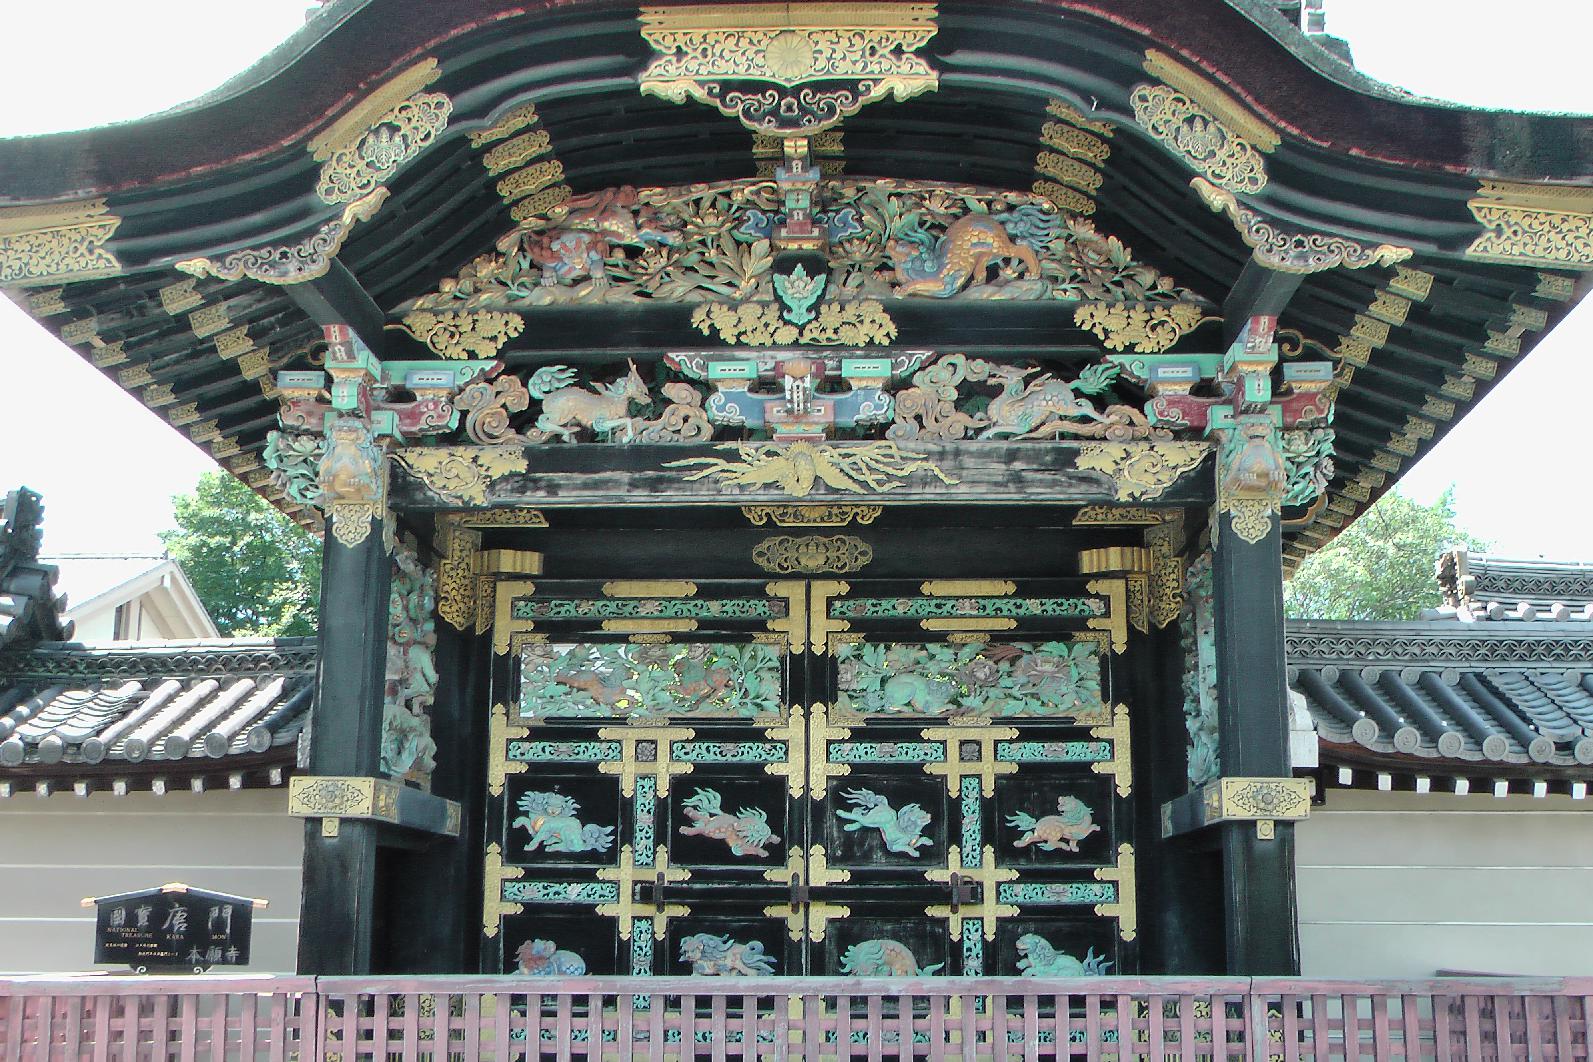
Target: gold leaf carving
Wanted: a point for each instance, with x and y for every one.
(1071, 140)
(1143, 328)
(61, 242)
(391, 139)
(520, 116)
(533, 178)
(480, 334)
(1294, 252)
(1538, 224)
(1141, 471)
(460, 475)
(812, 554)
(295, 263)
(1199, 137)
(809, 64)
(852, 324)
(797, 468)
(517, 152)
(811, 515)
(1059, 108)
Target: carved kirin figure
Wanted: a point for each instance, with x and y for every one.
(712, 956)
(1061, 832)
(551, 820)
(1040, 959)
(543, 958)
(902, 831)
(595, 225)
(747, 832)
(883, 958)
(942, 267)
(604, 408)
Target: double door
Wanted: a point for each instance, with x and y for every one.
(872, 778)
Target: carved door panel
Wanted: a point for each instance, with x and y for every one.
(971, 779)
(639, 806)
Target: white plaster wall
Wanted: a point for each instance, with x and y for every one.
(58, 849)
(1406, 884)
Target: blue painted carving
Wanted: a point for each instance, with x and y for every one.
(551, 820)
(1040, 959)
(883, 958)
(1061, 832)
(543, 958)
(902, 831)
(714, 956)
(649, 681)
(1045, 680)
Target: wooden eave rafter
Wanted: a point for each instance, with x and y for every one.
(245, 175)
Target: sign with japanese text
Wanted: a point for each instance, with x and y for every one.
(174, 927)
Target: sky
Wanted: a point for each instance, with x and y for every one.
(108, 467)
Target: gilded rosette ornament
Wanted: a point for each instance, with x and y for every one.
(788, 69)
(368, 144)
(1141, 472)
(1212, 132)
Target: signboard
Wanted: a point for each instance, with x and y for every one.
(174, 927)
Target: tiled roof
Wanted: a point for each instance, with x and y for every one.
(152, 715)
(29, 607)
(1504, 699)
(1480, 586)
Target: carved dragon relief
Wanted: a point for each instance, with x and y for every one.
(888, 240)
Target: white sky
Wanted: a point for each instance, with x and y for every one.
(108, 467)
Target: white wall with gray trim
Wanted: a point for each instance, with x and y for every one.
(58, 849)
(1406, 885)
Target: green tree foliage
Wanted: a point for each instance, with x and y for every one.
(1381, 566)
(257, 572)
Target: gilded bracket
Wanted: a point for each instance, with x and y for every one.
(956, 767)
(821, 626)
(508, 633)
(1115, 622)
(1263, 801)
(662, 767)
(1121, 765)
(793, 733)
(628, 909)
(795, 623)
(988, 876)
(820, 734)
(499, 734)
(1126, 909)
(494, 907)
(334, 798)
(463, 588)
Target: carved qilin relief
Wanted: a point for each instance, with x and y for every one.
(1038, 957)
(747, 832)
(544, 958)
(883, 958)
(1061, 832)
(552, 821)
(900, 831)
(719, 956)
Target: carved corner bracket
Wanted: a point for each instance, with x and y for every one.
(1263, 801)
(335, 798)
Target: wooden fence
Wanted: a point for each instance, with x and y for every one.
(462, 1019)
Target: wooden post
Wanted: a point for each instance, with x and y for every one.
(1262, 936)
(335, 922)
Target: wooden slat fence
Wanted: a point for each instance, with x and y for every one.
(463, 1019)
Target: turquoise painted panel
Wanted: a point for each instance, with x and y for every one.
(561, 891)
(973, 853)
(646, 805)
(887, 752)
(601, 608)
(1054, 680)
(609, 680)
(564, 751)
(728, 751)
(1072, 892)
(1054, 751)
(967, 607)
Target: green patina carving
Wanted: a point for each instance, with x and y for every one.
(1308, 453)
(714, 956)
(1199, 637)
(561, 891)
(1038, 958)
(747, 832)
(1061, 832)
(972, 824)
(550, 819)
(649, 681)
(1049, 679)
(884, 958)
(902, 831)
(642, 953)
(1053, 751)
(966, 607)
(973, 947)
(563, 751)
(798, 292)
(411, 676)
(648, 608)
(1071, 893)
(646, 805)
(887, 752)
(728, 751)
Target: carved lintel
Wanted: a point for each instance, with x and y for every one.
(1263, 801)
(373, 799)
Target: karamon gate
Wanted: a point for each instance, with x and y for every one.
(806, 486)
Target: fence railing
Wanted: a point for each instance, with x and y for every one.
(462, 1019)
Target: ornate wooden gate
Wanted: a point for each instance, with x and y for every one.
(810, 777)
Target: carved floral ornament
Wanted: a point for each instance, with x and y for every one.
(369, 142)
(712, 245)
(65, 241)
(788, 68)
(1287, 251)
(1211, 131)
